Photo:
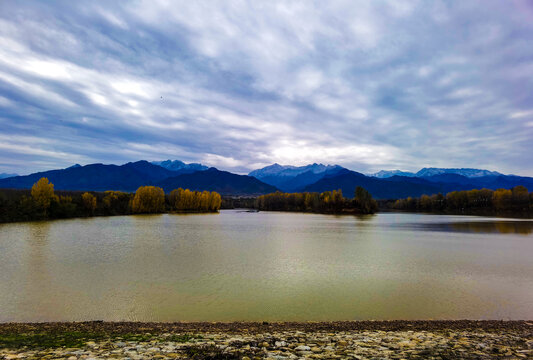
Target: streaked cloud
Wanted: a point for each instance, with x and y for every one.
(238, 85)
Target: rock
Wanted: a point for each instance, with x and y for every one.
(284, 345)
(302, 348)
(405, 344)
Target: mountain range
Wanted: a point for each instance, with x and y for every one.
(426, 172)
(128, 177)
(292, 178)
(177, 165)
(172, 174)
(385, 184)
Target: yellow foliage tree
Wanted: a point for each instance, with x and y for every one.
(186, 200)
(204, 200)
(148, 199)
(502, 198)
(214, 201)
(89, 202)
(42, 193)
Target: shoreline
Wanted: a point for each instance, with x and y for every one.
(504, 216)
(397, 339)
(118, 327)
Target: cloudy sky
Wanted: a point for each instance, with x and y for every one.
(239, 85)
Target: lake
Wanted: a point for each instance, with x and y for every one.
(266, 266)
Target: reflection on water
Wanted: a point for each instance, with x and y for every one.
(497, 226)
(504, 227)
(266, 266)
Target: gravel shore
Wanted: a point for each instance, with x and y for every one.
(240, 340)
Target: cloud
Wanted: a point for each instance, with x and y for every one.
(237, 85)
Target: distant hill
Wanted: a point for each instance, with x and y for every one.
(223, 182)
(128, 177)
(177, 165)
(291, 178)
(503, 181)
(95, 177)
(400, 187)
(6, 175)
(314, 177)
(490, 182)
(404, 186)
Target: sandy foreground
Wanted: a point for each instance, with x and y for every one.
(287, 340)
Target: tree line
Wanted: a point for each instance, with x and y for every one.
(42, 202)
(327, 202)
(517, 200)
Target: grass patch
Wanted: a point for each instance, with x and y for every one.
(73, 339)
(78, 339)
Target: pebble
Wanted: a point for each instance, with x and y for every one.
(284, 345)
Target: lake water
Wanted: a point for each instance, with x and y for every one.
(267, 266)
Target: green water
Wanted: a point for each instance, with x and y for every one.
(266, 266)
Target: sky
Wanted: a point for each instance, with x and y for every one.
(239, 85)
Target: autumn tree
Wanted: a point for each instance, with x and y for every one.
(148, 199)
(42, 193)
(174, 198)
(337, 200)
(196, 201)
(214, 201)
(89, 202)
(502, 198)
(186, 200)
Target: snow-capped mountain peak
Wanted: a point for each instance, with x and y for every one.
(291, 171)
(388, 173)
(468, 172)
